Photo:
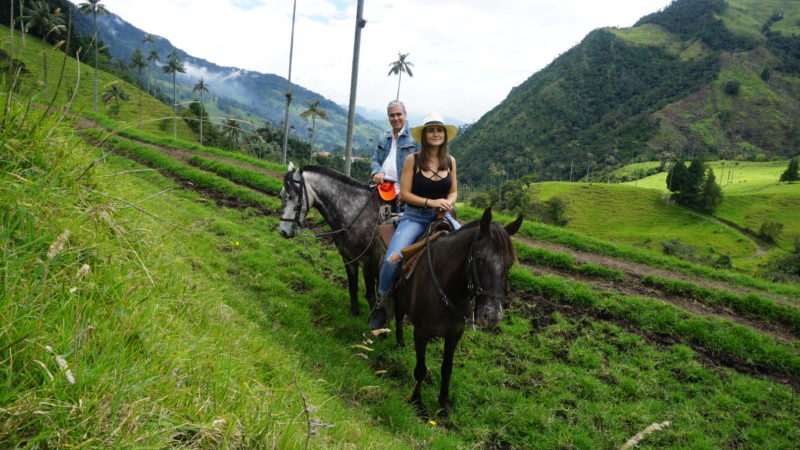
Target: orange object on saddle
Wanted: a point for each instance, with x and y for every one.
(387, 191)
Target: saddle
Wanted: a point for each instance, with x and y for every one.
(413, 253)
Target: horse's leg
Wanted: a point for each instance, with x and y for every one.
(450, 343)
(370, 282)
(352, 283)
(399, 314)
(420, 370)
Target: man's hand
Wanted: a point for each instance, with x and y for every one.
(377, 178)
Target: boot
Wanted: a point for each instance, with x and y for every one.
(377, 318)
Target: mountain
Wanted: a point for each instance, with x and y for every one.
(248, 95)
(712, 77)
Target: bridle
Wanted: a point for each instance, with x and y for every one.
(474, 286)
(298, 218)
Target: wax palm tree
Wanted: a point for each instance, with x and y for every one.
(139, 62)
(232, 130)
(313, 112)
(45, 24)
(399, 67)
(113, 93)
(201, 87)
(94, 7)
(152, 59)
(174, 66)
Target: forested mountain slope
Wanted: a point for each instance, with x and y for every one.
(701, 76)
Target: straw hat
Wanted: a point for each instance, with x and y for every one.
(434, 119)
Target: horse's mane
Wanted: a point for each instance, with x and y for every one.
(497, 234)
(338, 176)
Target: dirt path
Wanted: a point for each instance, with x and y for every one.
(633, 287)
(639, 271)
(179, 154)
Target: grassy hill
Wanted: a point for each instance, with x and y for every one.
(640, 217)
(753, 195)
(185, 323)
(156, 117)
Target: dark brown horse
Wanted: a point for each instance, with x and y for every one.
(462, 279)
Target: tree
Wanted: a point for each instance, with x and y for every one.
(45, 24)
(94, 7)
(791, 172)
(113, 93)
(152, 59)
(232, 131)
(289, 88)
(139, 62)
(399, 67)
(676, 178)
(710, 193)
(201, 87)
(313, 112)
(173, 66)
(149, 39)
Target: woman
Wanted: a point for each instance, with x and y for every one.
(429, 187)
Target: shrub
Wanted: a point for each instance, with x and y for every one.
(770, 231)
(732, 87)
(791, 172)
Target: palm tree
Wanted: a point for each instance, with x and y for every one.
(114, 93)
(152, 58)
(313, 112)
(232, 130)
(149, 39)
(139, 62)
(45, 24)
(201, 87)
(94, 7)
(351, 110)
(174, 66)
(400, 66)
(288, 89)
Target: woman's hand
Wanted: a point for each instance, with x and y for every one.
(441, 204)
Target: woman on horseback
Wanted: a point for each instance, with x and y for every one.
(429, 187)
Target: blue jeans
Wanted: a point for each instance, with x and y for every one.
(414, 222)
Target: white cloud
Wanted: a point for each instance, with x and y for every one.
(467, 54)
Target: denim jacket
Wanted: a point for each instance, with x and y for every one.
(406, 145)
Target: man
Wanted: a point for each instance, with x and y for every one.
(392, 150)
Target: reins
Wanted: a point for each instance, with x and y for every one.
(298, 222)
(474, 287)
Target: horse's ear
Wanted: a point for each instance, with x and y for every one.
(291, 167)
(486, 219)
(513, 227)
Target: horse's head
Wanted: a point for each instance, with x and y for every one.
(297, 198)
(491, 257)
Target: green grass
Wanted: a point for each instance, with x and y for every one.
(220, 186)
(156, 116)
(750, 305)
(166, 141)
(640, 217)
(751, 211)
(715, 335)
(214, 337)
(238, 175)
(735, 177)
(543, 257)
(589, 244)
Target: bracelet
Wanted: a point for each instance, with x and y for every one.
(426, 202)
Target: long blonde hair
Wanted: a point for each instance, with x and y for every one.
(425, 152)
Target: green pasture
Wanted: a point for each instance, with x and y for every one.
(640, 217)
(156, 117)
(735, 177)
(748, 16)
(751, 211)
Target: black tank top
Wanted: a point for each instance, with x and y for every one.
(433, 187)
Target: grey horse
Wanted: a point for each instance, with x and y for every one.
(350, 208)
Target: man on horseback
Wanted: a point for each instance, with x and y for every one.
(393, 148)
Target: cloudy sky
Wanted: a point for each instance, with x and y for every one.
(467, 54)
